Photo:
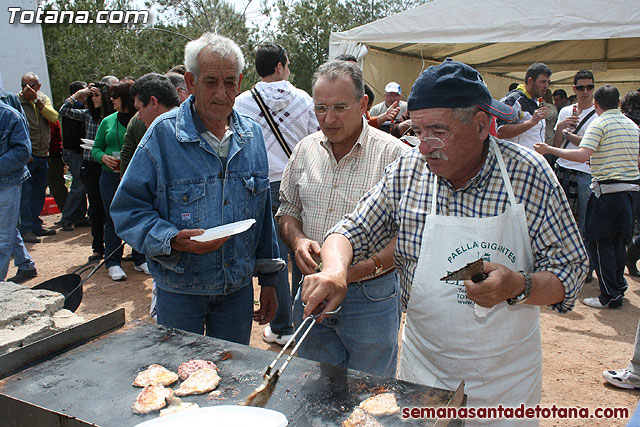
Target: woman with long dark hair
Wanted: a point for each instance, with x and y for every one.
(97, 98)
(106, 150)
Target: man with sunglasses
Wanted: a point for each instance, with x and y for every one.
(328, 172)
(610, 144)
(464, 195)
(529, 127)
(293, 119)
(573, 121)
(39, 112)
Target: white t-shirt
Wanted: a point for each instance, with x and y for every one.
(563, 114)
(292, 110)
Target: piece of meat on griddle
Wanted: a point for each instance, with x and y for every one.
(360, 418)
(190, 366)
(155, 375)
(177, 405)
(381, 404)
(151, 398)
(201, 381)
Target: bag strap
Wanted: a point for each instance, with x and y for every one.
(582, 122)
(585, 120)
(272, 124)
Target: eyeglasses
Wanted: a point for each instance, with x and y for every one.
(324, 109)
(31, 85)
(587, 87)
(433, 141)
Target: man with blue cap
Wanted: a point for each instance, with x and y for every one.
(460, 196)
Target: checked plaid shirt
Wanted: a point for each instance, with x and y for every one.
(399, 203)
(85, 116)
(318, 191)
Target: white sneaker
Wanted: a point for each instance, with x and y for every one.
(142, 267)
(623, 378)
(116, 273)
(269, 336)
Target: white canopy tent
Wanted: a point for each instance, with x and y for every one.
(501, 39)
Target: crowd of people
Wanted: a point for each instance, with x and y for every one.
(368, 205)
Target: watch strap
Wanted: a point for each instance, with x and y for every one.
(377, 264)
(526, 293)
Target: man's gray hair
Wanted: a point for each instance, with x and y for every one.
(465, 114)
(221, 46)
(337, 69)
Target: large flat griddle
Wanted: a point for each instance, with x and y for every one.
(92, 382)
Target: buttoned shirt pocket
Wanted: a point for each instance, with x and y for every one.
(256, 194)
(187, 206)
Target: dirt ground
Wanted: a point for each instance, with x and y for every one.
(577, 346)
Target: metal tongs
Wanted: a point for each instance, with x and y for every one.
(260, 396)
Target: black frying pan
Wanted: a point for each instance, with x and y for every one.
(70, 285)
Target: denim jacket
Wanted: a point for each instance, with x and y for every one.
(15, 147)
(175, 181)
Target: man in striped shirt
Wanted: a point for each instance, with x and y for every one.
(464, 195)
(610, 143)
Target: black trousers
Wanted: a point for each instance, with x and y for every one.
(90, 175)
(608, 256)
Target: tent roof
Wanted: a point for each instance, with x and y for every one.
(504, 38)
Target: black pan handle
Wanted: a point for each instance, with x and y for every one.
(479, 277)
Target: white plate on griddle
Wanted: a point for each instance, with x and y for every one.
(221, 416)
(224, 230)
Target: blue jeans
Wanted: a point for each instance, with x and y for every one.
(10, 239)
(109, 182)
(75, 208)
(583, 181)
(282, 323)
(363, 335)
(227, 317)
(33, 191)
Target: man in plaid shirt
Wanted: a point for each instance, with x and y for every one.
(464, 195)
(328, 172)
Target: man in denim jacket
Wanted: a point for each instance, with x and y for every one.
(15, 151)
(199, 166)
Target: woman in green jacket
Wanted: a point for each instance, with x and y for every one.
(106, 150)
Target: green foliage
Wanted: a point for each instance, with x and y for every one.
(90, 51)
(304, 28)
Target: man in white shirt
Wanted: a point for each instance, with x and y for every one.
(530, 127)
(292, 113)
(573, 121)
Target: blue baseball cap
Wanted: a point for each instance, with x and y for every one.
(453, 84)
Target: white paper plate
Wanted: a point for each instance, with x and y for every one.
(86, 146)
(87, 141)
(224, 230)
(221, 416)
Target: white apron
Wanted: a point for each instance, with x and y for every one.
(444, 342)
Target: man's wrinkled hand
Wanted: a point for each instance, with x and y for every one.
(324, 292)
(268, 305)
(306, 252)
(182, 242)
(29, 94)
(502, 284)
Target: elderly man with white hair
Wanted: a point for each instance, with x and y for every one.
(199, 166)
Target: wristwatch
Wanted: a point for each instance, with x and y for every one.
(377, 264)
(524, 296)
